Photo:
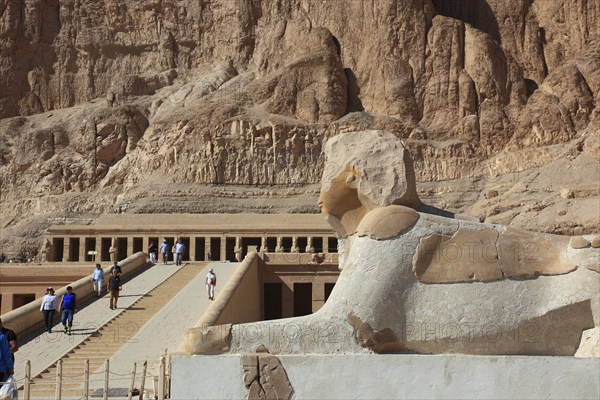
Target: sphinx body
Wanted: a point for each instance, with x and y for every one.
(379, 304)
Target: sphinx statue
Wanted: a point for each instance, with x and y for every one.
(416, 282)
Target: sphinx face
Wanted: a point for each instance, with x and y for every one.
(340, 203)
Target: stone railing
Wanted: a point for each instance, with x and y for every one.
(28, 317)
(238, 302)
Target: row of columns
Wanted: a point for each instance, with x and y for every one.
(222, 252)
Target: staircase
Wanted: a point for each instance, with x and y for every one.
(107, 340)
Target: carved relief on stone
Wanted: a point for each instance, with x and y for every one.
(295, 248)
(242, 153)
(238, 249)
(113, 250)
(265, 378)
(279, 246)
(309, 245)
(263, 244)
(45, 250)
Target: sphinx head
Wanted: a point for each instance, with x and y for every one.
(364, 170)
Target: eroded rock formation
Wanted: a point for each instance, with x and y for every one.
(148, 102)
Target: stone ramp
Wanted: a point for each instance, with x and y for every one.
(103, 343)
(163, 334)
(146, 326)
(44, 349)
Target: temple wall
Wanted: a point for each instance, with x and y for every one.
(397, 376)
(244, 294)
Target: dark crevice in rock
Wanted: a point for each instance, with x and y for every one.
(478, 14)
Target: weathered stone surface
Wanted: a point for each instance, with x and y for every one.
(467, 256)
(386, 222)
(528, 254)
(381, 342)
(350, 186)
(208, 339)
(595, 242)
(590, 343)
(367, 152)
(486, 255)
(577, 242)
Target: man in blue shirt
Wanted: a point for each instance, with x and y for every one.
(6, 361)
(164, 249)
(68, 307)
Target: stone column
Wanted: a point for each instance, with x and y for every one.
(146, 243)
(325, 240)
(129, 245)
(318, 294)
(66, 249)
(207, 247)
(82, 249)
(287, 299)
(192, 248)
(98, 249)
(294, 245)
(223, 248)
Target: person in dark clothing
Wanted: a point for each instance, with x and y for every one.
(114, 287)
(11, 336)
(6, 363)
(152, 252)
(117, 268)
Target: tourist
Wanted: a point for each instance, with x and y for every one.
(113, 287)
(211, 282)
(68, 307)
(6, 361)
(97, 278)
(152, 252)
(179, 249)
(115, 267)
(11, 336)
(164, 249)
(48, 307)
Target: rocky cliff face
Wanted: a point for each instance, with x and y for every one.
(150, 104)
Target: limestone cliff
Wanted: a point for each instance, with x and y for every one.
(222, 105)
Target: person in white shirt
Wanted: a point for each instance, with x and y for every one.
(164, 249)
(48, 307)
(97, 278)
(179, 249)
(211, 282)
